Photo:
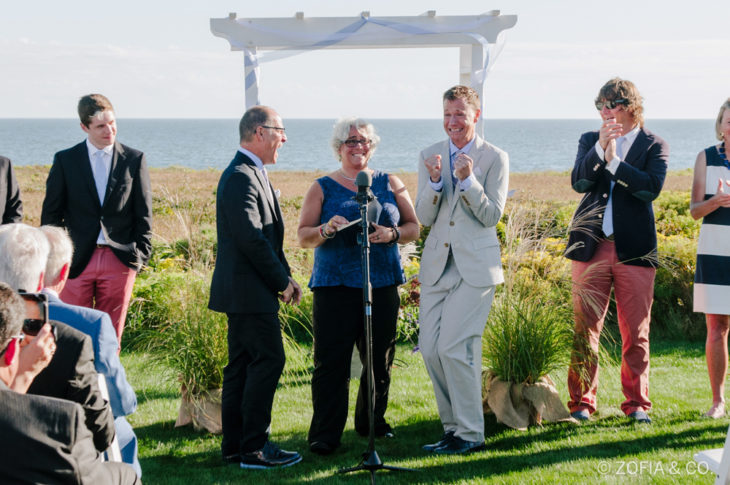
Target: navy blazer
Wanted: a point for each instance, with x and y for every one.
(11, 207)
(125, 216)
(639, 179)
(250, 268)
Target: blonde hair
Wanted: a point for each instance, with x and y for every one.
(725, 105)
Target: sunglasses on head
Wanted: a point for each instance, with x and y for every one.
(611, 103)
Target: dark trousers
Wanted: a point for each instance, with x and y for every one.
(255, 362)
(338, 325)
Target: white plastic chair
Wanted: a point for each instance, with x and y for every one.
(113, 453)
(717, 460)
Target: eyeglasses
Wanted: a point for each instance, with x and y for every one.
(277, 128)
(353, 142)
(611, 103)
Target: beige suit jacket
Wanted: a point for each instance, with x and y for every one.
(464, 221)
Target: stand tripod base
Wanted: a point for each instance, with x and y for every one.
(372, 462)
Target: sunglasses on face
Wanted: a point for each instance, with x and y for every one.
(353, 142)
(611, 103)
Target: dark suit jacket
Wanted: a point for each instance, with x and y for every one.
(125, 217)
(45, 441)
(71, 375)
(11, 207)
(250, 266)
(97, 325)
(638, 182)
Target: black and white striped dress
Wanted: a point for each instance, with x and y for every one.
(712, 277)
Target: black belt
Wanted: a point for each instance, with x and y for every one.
(608, 238)
(99, 246)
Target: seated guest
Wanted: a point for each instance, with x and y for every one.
(711, 202)
(97, 325)
(11, 207)
(44, 439)
(337, 284)
(70, 374)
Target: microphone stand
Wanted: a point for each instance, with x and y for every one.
(370, 459)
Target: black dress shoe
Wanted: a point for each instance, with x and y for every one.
(447, 436)
(232, 459)
(457, 446)
(270, 456)
(321, 448)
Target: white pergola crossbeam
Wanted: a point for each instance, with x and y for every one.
(477, 36)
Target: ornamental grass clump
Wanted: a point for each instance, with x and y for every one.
(527, 337)
(530, 328)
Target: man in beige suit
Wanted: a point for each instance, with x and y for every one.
(462, 188)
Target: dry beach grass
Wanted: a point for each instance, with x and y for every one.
(194, 190)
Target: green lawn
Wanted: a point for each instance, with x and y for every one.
(606, 450)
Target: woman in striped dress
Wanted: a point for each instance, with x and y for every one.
(711, 201)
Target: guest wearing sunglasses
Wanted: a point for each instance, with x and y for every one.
(621, 169)
(336, 282)
(44, 439)
(711, 201)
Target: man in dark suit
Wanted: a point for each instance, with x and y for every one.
(251, 271)
(620, 169)
(70, 374)
(44, 439)
(97, 325)
(100, 191)
(11, 207)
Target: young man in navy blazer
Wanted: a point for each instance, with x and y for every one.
(620, 169)
(99, 190)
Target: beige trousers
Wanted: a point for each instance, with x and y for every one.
(452, 319)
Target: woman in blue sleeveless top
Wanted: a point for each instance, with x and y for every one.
(711, 201)
(337, 283)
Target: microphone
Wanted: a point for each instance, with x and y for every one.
(363, 181)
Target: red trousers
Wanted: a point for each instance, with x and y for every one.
(633, 288)
(105, 284)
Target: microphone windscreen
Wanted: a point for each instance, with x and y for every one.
(363, 179)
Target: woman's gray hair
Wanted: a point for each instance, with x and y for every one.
(23, 255)
(341, 132)
(61, 252)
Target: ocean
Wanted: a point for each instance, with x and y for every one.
(533, 145)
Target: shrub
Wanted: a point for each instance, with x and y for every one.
(527, 336)
(672, 315)
(530, 327)
(184, 335)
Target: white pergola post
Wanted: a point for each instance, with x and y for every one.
(477, 36)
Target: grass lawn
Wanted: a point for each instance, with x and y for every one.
(606, 450)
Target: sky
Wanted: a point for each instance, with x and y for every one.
(159, 59)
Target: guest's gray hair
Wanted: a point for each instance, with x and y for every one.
(61, 252)
(23, 255)
(12, 313)
(341, 132)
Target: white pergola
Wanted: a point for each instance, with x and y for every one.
(478, 37)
